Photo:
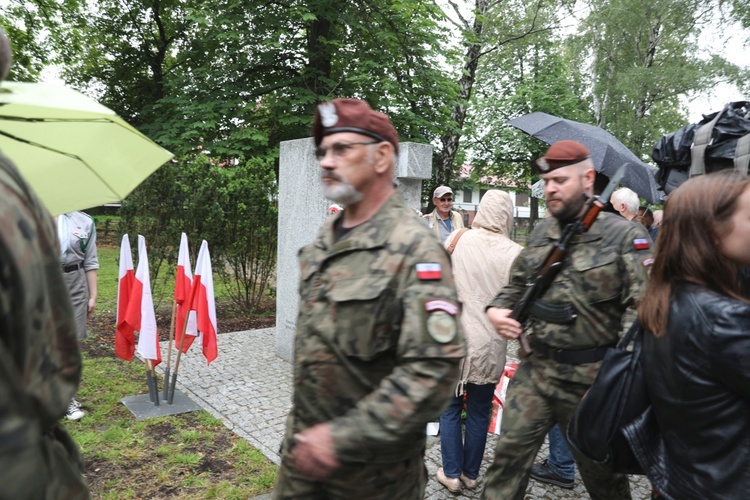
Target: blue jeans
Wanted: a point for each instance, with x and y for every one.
(465, 454)
(560, 458)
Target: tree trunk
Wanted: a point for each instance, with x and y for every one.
(451, 140)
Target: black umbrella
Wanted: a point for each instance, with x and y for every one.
(607, 153)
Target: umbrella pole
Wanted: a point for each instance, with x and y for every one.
(165, 395)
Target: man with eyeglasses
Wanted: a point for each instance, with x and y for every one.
(377, 341)
(443, 221)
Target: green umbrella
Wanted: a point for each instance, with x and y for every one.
(74, 152)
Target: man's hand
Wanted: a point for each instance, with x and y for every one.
(92, 303)
(504, 325)
(313, 454)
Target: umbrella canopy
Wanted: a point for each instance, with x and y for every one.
(607, 153)
(73, 151)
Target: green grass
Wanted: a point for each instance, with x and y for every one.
(186, 456)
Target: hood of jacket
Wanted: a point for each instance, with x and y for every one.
(482, 260)
(495, 213)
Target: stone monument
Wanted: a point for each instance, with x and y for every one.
(302, 210)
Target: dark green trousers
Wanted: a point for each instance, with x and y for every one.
(540, 395)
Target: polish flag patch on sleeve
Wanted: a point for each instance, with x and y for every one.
(429, 271)
(640, 244)
(441, 305)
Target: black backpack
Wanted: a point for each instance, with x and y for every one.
(721, 140)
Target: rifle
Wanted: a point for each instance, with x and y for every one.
(541, 280)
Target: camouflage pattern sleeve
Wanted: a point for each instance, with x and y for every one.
(636, 255)
(41, 361)
(429, 348)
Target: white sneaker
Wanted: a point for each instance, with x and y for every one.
(74, 411)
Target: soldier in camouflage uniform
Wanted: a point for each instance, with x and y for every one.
(377, 344)
(588, 306)
(40, 364)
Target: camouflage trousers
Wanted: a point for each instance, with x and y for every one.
(537, 398)
(363, 481)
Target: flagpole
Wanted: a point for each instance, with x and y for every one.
(169, 352)
(156, 382)
(177, 362)
(149, 380)
(182, 342)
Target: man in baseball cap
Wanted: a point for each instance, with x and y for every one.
(443, 221)
(377, 341)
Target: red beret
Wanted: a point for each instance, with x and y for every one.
(561, 154)
(352, 115)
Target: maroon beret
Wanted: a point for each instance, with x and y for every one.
(561, 154)
(352, 115)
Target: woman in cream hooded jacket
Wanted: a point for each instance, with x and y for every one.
(481, 260)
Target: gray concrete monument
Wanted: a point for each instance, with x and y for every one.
(302, 210)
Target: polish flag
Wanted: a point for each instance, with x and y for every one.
(204, 303)
(124, 336)
(141, 315)
(182, 289)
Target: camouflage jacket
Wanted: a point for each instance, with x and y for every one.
(40, 361)
(604, 274)
(377, 343)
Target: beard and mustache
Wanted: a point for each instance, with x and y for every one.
(569, 210)
(340, 192)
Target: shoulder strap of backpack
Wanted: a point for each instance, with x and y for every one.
(742, 155)
(701, 141)
(460, 233)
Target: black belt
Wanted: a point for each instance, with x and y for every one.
(569, 356)
(74, 267)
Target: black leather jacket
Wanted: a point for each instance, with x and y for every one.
(698, 376)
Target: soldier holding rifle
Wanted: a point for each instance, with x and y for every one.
(587, 306)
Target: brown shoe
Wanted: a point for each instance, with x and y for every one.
(469, 483)
(452, 483)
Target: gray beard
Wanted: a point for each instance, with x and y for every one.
(342, 193)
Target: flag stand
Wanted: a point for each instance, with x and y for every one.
(148, 405)
(142, 408)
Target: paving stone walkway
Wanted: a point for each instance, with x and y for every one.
(248, 388)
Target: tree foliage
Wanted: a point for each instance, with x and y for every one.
(641, 57)
(221, 83)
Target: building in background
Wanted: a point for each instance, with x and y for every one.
(466, 199)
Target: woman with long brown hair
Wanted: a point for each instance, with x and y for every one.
(697, 353)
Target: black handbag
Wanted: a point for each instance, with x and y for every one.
(617, 397)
